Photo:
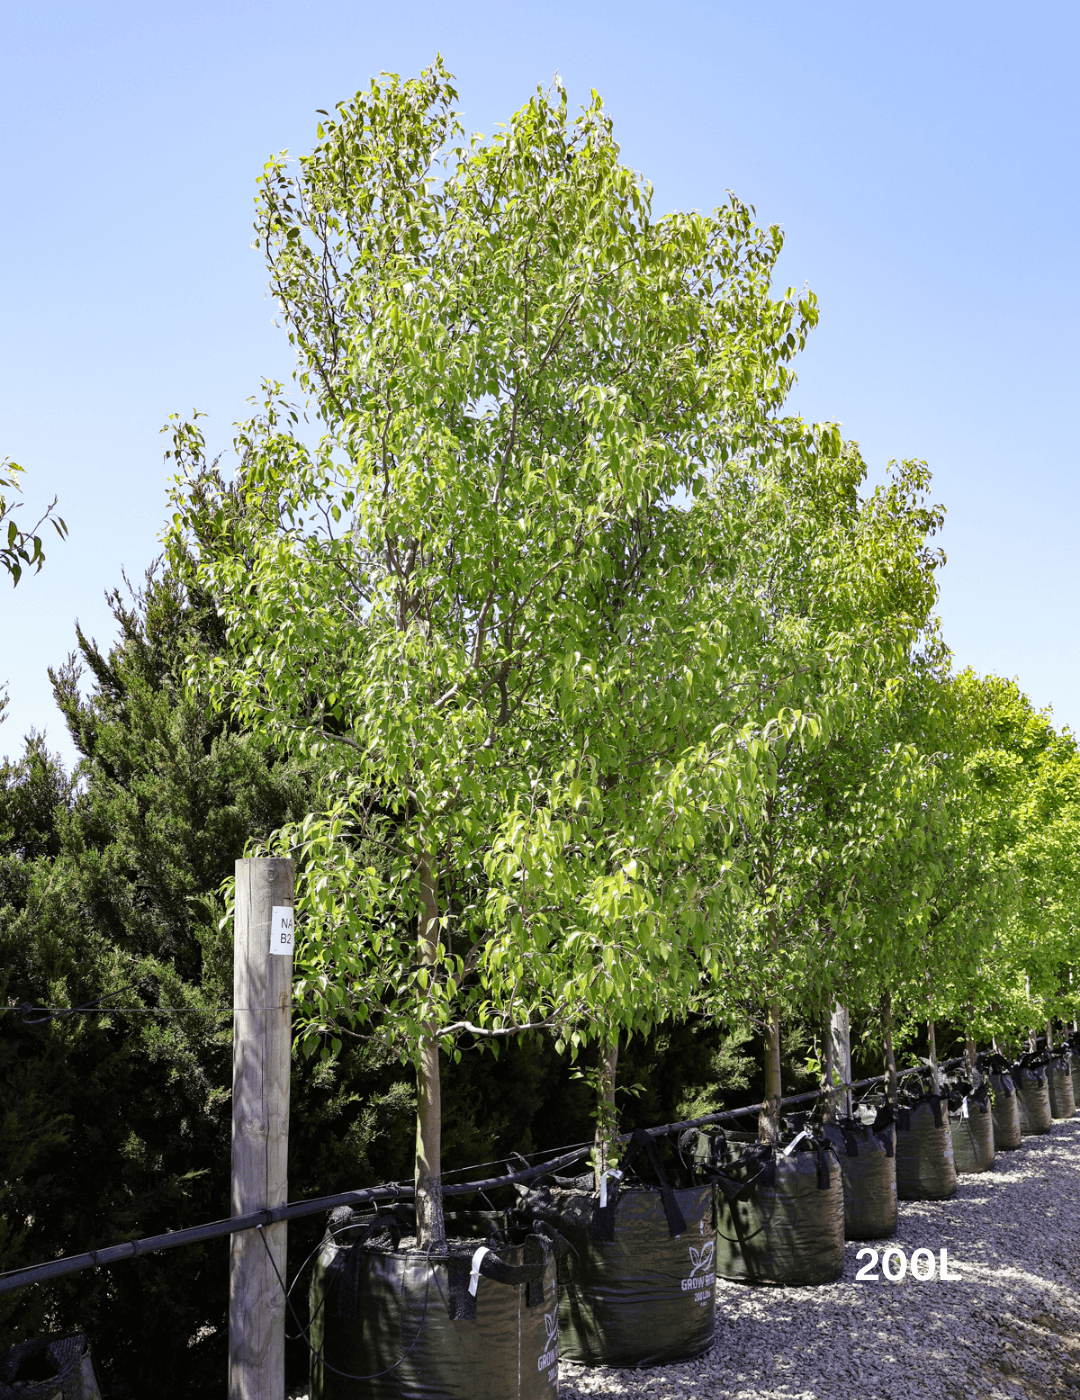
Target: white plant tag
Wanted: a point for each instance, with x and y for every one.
(615, 1176)
(965, 1111)
(281, 930)
(474, 1276)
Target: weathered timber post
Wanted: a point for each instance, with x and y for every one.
(840, 1036)
(262, 1035)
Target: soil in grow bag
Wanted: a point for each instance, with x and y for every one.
(638, 1284)
(1004, 1105)
(925, 1169)
(390, 1321)
(1059, 1083)
(1032, 1094)
(972, 1125)
(868, 1167)
(779, 1210)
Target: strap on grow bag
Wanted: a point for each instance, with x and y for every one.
(348, 1289)
(603, 1218)
(841, 1137)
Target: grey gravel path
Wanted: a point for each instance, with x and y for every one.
(1009, 1329)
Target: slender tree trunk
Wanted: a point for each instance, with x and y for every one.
(769, 1118)
(430, 1224)
(892, 1083)
(840, 1031)
(969, 1045)
(604, 1152)
(828, 1077)
(1049, 1037)
(935, 1079)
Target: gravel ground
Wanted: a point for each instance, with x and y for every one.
(1008, 1329)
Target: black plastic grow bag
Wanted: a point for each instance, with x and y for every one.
(1004, 1105)
(868, 1167)
(390, 1321)
(638, 1284)
(1059, 1083)
(1032, 1095)
(779, 1210)
(50, 1368)
(1074, 1071)
(971, 1122)
(925, 1169)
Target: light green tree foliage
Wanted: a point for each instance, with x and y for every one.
(1024, 787)
(474, 589)
(935, 902)
(848, 588)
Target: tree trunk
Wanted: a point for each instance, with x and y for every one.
(969, 1045)
(769, 1118)
(604, 1151)
(935, 1078)
(1049, 1036)
(840, 1033)
(828, 1077)
(892, 1083)
(430, 1225)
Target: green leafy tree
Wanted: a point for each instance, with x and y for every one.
(847, 587)
(475, 592)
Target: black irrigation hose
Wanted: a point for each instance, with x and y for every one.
(272, 1215)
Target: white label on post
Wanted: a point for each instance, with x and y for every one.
(281, 930)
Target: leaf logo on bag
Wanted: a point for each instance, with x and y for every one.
(551, 1351)
(701, 1258)
(701, 1268)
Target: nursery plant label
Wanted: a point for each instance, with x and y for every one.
(281, 930)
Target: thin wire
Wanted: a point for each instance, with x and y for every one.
(525, 1157)
(48, 1013)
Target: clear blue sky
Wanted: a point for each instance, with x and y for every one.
(920, 157)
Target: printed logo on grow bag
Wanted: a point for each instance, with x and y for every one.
(701, 1274)
(551, 1355)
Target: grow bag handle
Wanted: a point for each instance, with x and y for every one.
(464, 1271)
(603, 1217)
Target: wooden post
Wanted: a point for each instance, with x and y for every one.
(840, 1035)
(262, 1035)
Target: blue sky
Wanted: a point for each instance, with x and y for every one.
(921, 159)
